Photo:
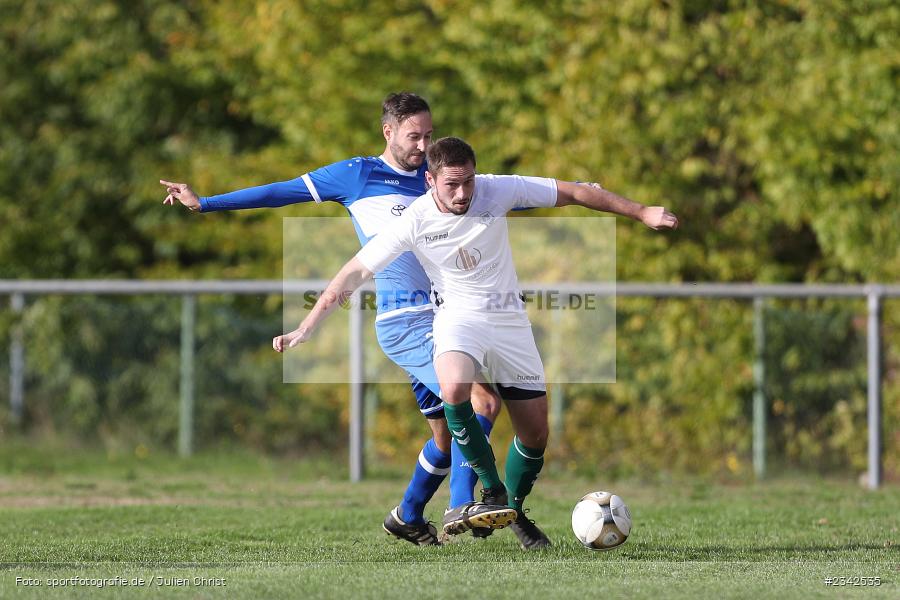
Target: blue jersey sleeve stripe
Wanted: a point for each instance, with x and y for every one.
(312, 188)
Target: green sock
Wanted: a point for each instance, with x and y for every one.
(473, 444)
(522, 467)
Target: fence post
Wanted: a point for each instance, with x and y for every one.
(874, 383)
(17, 362)
(370, 410)
(759, 381)
(557, 393)
(186, 416)
(357, 389)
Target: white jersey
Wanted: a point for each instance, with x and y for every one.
(467, 257)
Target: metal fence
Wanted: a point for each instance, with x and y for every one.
(188, 290)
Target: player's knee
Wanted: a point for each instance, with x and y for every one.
(535, 436)
(455, 393)
(490, 410)
(485, 403)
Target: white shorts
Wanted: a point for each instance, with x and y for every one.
(502, 343)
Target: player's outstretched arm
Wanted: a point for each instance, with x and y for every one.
(181, 192)
(596, 198)
(270, 195)
(351, 276)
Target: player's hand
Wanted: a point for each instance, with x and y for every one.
(289, 340)
(657, 217)
(181, 192)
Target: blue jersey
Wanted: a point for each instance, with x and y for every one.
(374, 193)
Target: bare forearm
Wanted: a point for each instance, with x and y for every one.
(597, 198)
(591, 195)
(350, 277)
(339, 290)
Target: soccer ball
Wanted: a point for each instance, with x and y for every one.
(601, 521)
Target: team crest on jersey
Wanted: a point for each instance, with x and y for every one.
(467, 259)
(486, 218)
(397, 210)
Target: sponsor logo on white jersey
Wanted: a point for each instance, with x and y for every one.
(436, 237)
(467, 259)
(373, 213)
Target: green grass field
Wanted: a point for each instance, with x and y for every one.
(282, 528)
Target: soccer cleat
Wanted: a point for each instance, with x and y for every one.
(422, 534)
(472, 515)
(495, 495)
(530, 536)
(489, 496)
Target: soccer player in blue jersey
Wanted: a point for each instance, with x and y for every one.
(375, 190)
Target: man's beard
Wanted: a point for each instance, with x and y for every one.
(454, 209)
(404, 160)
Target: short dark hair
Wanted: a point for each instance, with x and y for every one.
(401, 106)
(449, 152)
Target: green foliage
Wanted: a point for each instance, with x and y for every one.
(109, 368)
(771, 129)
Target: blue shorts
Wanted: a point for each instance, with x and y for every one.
(407, 340)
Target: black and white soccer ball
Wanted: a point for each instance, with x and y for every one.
(601, 521)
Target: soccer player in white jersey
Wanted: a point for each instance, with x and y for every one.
(458, 232)
(375, 190)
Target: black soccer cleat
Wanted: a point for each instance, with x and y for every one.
(422, 534)
(495, 495)
(489, 496)
(530, 536)
(472, 515)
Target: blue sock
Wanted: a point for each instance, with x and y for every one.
(462, 478)
(431, 469)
